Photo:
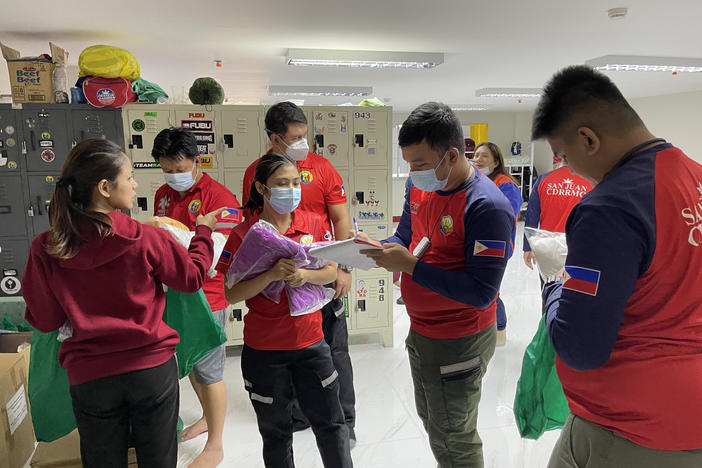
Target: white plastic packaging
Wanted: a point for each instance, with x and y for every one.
(550, 250)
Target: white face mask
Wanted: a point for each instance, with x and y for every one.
(485, 170)
(298, 150)
(427, 180)
(181, 181)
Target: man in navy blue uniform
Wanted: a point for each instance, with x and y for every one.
(626, 321)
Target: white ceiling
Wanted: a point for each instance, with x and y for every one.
(488, 43)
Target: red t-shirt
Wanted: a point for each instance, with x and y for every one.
(559, 191)
(321, 186)
(269, 326)
(205, 196)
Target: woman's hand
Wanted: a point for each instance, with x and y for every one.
(281, 270)
(210, 219)
(297, 278)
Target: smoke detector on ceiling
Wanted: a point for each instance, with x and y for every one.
(617, 13)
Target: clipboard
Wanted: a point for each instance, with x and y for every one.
(347, 252)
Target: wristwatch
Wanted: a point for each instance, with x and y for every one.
(345, 268)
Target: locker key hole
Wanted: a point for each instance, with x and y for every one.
(143, 203)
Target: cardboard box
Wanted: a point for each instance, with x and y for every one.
(16, 430)
(65, 453)
(31, 78)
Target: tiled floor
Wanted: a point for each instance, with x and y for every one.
(388, 429)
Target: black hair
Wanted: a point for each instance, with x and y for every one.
(267, 165)
(579, 96)
(70, 214)
(281, 115)
(437, 124)
(175, 143)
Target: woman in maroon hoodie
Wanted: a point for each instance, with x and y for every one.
(103, 273)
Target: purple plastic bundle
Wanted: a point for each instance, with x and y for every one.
(261, 248)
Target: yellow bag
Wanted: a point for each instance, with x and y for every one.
(108, 62)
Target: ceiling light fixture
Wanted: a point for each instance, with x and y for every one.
(509, 92)
(283, 90)
(645, 63)
(469, 107)
(362, 59)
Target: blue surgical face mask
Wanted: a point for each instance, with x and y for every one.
(180, 181)
(427, 180)
(485, 170)
(285, 200)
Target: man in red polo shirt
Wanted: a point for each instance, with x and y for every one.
(188, 192)
(323, 193)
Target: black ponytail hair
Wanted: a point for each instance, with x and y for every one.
(267, 165)
(70, 216)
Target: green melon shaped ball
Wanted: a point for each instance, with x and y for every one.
(206, 91)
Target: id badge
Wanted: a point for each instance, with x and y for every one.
(422, 247)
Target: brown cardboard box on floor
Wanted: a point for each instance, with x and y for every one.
(31, 78)
(65, 453)
(16, 430)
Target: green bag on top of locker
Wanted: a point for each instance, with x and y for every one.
(48, 388)
(539, 404)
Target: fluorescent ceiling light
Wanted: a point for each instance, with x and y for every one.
(275, 90)
(645, 63)
(509, 92)
(469, 107)
(362, 59)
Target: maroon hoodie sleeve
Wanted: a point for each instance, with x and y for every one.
(185, 272)
(43, 311)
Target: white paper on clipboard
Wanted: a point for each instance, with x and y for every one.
(347, 252)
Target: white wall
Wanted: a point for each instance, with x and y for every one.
(675, 117)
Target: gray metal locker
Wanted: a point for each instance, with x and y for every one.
(90, 122)
(41, 189)
(9, 144)
(13, 214)
(13, 258)
(45, 140)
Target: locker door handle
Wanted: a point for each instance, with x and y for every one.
(39, 206)
(143, 203)
(229, 141)
(136, 141)
(31, 140)
(359, 140)
(320, 140)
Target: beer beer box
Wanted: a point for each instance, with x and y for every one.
(31, 77)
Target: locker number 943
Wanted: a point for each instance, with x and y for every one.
(362, 115)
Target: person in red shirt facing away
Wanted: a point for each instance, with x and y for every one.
(189, 191)
(101, 272)
(625, 317)
(488, 159)
(551, 200)
(285, 355)
(323, 193)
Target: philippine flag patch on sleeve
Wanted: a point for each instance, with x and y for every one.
(489, 248)
(583, 280)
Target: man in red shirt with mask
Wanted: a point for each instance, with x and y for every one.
(188, 192)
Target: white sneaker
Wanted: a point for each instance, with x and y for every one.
(501, 338)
